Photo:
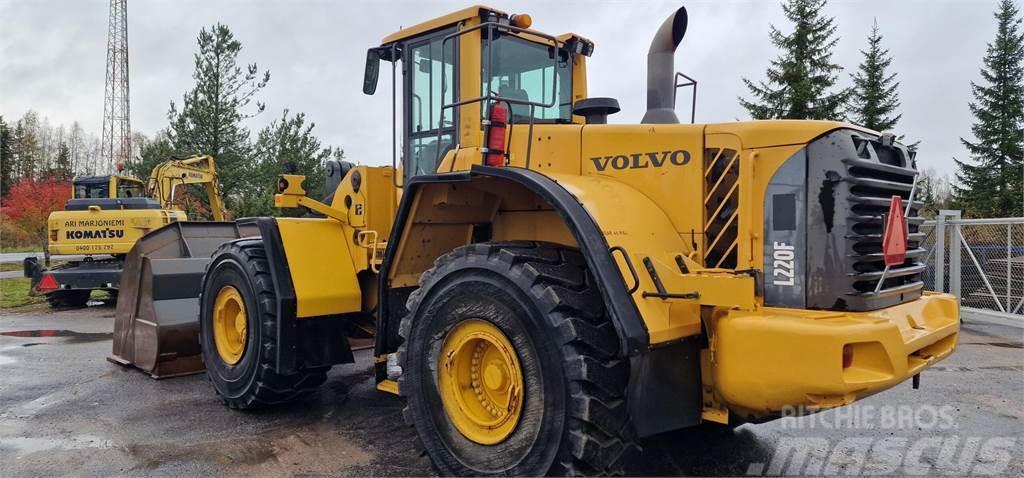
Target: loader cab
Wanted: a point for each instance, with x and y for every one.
(449, 72)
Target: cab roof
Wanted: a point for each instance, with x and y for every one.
(476, 11)
(440, 22)
(92, 180)
(103, 179)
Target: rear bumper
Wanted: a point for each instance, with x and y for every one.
(104, 275)
(769, 360)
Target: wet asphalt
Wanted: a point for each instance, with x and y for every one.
(65, 410)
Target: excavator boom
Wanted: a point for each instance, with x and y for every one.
(168, 176)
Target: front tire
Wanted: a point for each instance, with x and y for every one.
(239, 355)
(541, 299)
(68, 298)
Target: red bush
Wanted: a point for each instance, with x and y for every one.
(29, 203)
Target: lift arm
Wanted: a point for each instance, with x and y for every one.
(167, 176)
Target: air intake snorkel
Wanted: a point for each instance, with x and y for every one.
(661, 69)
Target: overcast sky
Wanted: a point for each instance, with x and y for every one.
(53, 53)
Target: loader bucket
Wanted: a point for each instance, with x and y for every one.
(156, 323)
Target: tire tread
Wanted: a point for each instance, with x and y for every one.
(599, 432)
(269, 388)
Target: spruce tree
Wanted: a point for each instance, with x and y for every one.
(874, 97)
(26, 148)
(6, 158)
(801, 81)
(62, 169)
(990, 183)
(152, 152)
(212, 113)
(286, 141)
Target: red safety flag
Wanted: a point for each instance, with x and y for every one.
(894, 242)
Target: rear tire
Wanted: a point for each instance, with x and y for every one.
(68, 298)
(251, 382)
(574, 418)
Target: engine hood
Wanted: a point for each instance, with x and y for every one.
(768, 133)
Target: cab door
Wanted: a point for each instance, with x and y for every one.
(431, 81)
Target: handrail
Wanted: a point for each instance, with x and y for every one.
(690, 82)
(394, 120)
(491, 96)
(994, 220)
(629, 264)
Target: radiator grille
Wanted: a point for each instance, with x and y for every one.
(721, 206)
(874, 175)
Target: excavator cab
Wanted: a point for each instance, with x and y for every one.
(111, 187)
(113, 191)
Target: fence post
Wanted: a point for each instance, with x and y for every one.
(954, 252)
(940, 253)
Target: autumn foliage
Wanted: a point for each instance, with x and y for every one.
(25, 208)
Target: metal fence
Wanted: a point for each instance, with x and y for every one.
(981, 261)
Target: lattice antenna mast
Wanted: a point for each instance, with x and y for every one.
(117, 131)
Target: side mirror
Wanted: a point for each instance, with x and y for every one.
(372, 71)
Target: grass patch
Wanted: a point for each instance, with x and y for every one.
(17, 266)
(14, 293)
(10, 266)
(5, 249)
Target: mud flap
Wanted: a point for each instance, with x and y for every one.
(156, 324)
(665, 388)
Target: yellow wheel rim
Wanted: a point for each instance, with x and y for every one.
(480, 381)
(229, 325)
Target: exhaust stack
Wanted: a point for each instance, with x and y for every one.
(661, 70)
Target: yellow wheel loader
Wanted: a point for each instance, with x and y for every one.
(105, 217)
(544, 287)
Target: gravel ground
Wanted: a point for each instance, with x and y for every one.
(64, 410)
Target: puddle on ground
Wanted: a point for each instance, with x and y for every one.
(25, 445)
(71, 335)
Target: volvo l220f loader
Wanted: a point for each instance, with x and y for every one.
(544, 287)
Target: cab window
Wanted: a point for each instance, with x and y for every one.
(525, 70)
(92, 190)
(129, 189)
(428, 93)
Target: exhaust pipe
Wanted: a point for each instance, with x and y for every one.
(661, 70)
